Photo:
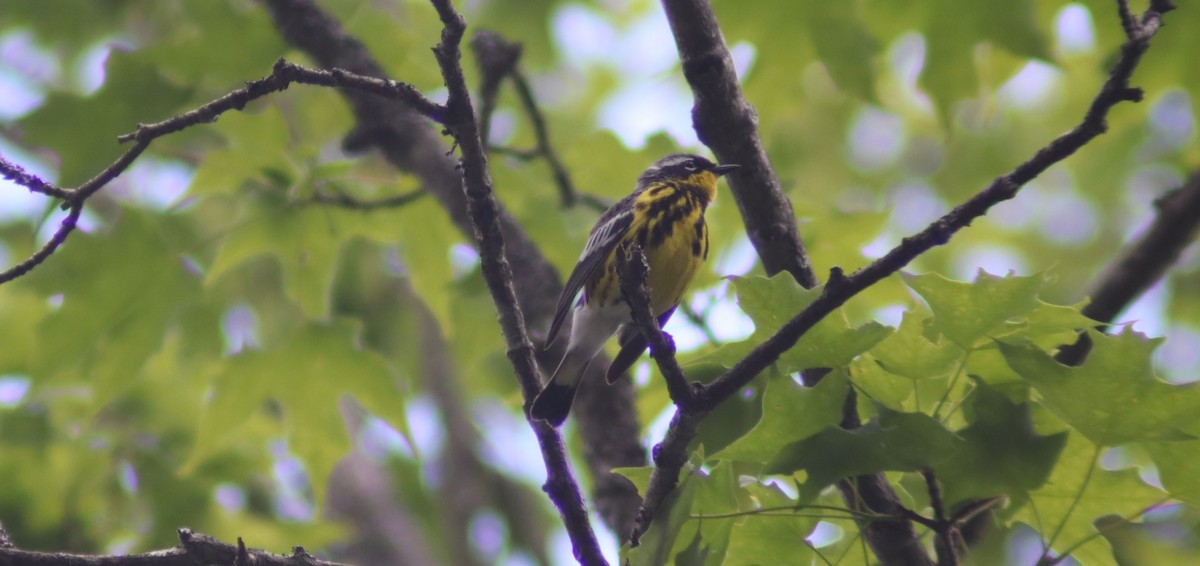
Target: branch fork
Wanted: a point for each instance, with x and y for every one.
(632, 270)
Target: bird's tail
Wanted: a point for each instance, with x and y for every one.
(554, 402)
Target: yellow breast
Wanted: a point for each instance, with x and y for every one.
(670, 228)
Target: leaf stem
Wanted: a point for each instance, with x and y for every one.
(1074, 503)
(1101, 530)
(958, 372)
(771, 512)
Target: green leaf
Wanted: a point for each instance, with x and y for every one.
(1178, 466)
(952, 31)
(844, 45)
(1114, 397)
(968, 312)
(662, 540)
(256, 142)
(640, 476)
(1011, 25)
(426, 235)
(1050, 326)
(20, 309)
(881, 387)
(893, 442)
(1077, 493)
(773, 539)
(307, 376)
(186, 56)
(1143, 543)
(306, 241)
(730, 420)
(718, 494)
(83, 131)
(908, 352)
(791, 413)
(115, 318)
(1001, 454)
(949, 73)
(772, 302)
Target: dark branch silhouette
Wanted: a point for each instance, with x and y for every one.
(460, 121)
(632, 270)
(728, 125)
(1142, 264)
(498, 59)
(193, 548)
(342, 200)
(64, 229)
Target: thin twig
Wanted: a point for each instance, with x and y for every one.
(518, 154)
(60, 236)
(1102, 530)
(632, 270)
(283, 75)
(193, 548)
(776, 512)
(946, 541)
(343, 200)
(698, 321)
(497, 58)
(935, 495)
(597, 203)
(566, 189)
(460, 121)
(20, 176)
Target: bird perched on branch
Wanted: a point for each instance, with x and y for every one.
(665, 217)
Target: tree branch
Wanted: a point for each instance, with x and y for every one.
(73, 200)
(60, 236)
(728, 124)
(1142, 264)
(343, 200)
(20, 176)
(631, 271)
(460, 122)
(283, 75)
(840, 288)
(498, 58)
(193, 548)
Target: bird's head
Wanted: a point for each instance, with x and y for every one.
(685, 168)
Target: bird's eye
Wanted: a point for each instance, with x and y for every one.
(689, 165)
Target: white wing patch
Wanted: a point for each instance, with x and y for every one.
(604, 237)
(604, 234)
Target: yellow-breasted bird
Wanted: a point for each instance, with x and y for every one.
(665, 216)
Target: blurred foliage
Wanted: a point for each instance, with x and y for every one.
(189, 359)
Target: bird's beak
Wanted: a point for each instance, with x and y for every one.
(720, 170)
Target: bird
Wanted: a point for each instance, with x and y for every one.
(664, 215)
